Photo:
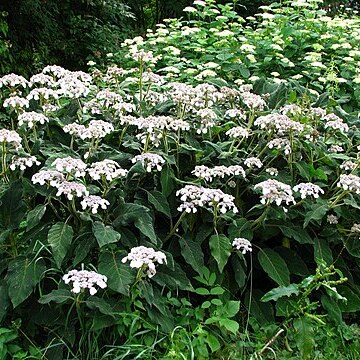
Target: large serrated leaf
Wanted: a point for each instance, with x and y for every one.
(274, 265)
(192, 253)
(119, 275)
(280, 291)
(105, 234)
(34, 216)
(316, 213)
(220, 247)
(159, 201)
(60, 237)
(58, 296)
(23, 275)
(296, 232)
(304, 336)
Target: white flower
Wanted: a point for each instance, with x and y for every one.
(332, 219)
(94, 202)
(54, 178)
(15, 101)
(275, 191)
(272, 171)
(335, 148)
(336, 123)
(252, 162)
(349, 182)
(11, 137)
(355, 228)
(243, 245)
(146, 257)
(71, 188)
(31, 118)
(237, 132)
(348, 165)
(150, 161)
(308, 189)
(84, 279)
(196, 196)
(13, 80)
(279, 123)
(208, 174)
(280, 143)
(74, 166)
(108, 169)
(23, 162)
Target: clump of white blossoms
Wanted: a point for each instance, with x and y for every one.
(272, 171)
(280, 143)
(243, 245)
(207, 121)
(146, 258)
(150, 161)
(253, 101)
(11, 138)
(308, 189)
(355, 229)
(15, 101)
(23, 162)
(278, 123)
(237, 132)
(208, 174)
(94, 202)
(336, 148)
(275, 191)
(31, 118)
(108, 169)
(349, 182)
(235, 113)
(292, 109)
(52, 177)
(13, 80)
(43, 94)
(197, 196)
(332, 219)
(335, 123)
(96, 129)
(71, 165)
(348, 165)
(84, 279)
(252, 162)
(71, 188)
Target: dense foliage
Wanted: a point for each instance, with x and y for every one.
(196, 198)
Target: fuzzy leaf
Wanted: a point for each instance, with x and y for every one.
(23, 275)
(274, 265)
(279, 292)
(316, 213)
(105, 234)
(60, 237)
(58, 295)
(34, 216)
(304, 336)
(159, 201)
(220, 247)
(192, 253)
(296, 232)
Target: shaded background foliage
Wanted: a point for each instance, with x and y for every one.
(34, 33)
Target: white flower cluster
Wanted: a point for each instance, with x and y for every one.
(150, 161)
(31, 118)
(253, 101)
(291, 109)
(207, 121)
(142, 55)
(252, 162)
(96, 129)
(53, 177)
(13, 80)
(308, 189)
(108, 98)
(145, 257)
(332, 219)
(84, 279)
(94, 202)
(272, 171)
(243, 245)
(275, 191)
(23, 162)
(355, 228)
(197, 196)
(108, 169)
(235, 113)
(10, 137)
(318, 112)
(335, 123)
(348, 165)
(71, 86)
(280, 143)
(71, 188)
(43, 94)
(279, 123)
(15, 101)
(73, 166)
(208, 174)
(42, 79)
(349, 182)
(336, 148)
(238, 132)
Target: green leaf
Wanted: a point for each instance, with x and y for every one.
(230, 308)
(213, 342)
(274, 265)
(105, 234)
(230, 325)
(139, 216)
(304, 336)
(95, 302)
(175, 279)
(60, 237)
(322, 251)
(159, 201)
(167, 180)
(119, 275)
(220, 247)
(58, 295)
(294, 262)
(296, 232)
(280, 291)
(192, 253)
(23, 275)
(34, 216)
(316, 213)
(353, 299)
(332, 307)
(13, 208)
(217, 290)
(202, 291)
(4, 300)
